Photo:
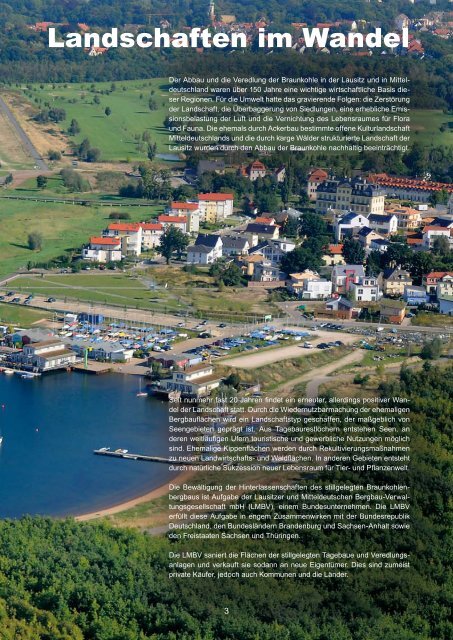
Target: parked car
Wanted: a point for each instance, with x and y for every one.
(51, 300)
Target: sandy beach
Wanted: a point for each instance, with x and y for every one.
(124, 506)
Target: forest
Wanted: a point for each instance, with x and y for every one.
(61, 580)
(25, 56)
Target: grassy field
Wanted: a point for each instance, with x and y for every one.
(183, 292)
(427, 319)
(64, 227)
(20, 316)
(130, 116)
(114, 134)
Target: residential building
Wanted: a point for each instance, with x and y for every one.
(432, 232)
(344, 276)
(315, 178)
(273, 250)
(445, 286)
(296, 284)
(131, 235)
(265, 271)
(235, 246)
(189, 210)
(333, 255)
(206, 250)
(366, 236)
(317, 289)
(194, 381)
(44, 356)
(151, 234)
(392, 311)
(379, 244)
(356, 195)
(408, 218)
(414, 295)
(432, 279)
(409, 188)
(255, 170)
(365, 290)
(349, 224)
(279, 174)
(263, 231)
(395, 280)
(199, 254)
(179, 222)
(215, 207)
(385, 224)
(103, 250)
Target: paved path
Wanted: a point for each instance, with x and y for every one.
(25, 140)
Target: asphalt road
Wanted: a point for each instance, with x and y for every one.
(25, 140)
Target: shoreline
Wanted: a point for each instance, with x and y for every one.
(158, 492)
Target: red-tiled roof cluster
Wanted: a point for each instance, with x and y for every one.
(385, 180)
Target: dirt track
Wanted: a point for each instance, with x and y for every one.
(255, 360)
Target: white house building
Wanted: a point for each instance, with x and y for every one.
(385, 224)
(206, 250)
(103, 250)
(366, 289)
(194, 381)
(349, 225)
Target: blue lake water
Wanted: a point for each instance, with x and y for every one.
(50, 427)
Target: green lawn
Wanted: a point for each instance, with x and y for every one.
(64, 227)
(130, 114)
(18, 315)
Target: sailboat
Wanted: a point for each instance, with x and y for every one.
(140, 393)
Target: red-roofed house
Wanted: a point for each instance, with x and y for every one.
(103, 249)
(333, 255)
(315, 178)
(215, 207)
(434, 278)
(131, 236)
(180, 222)
(151, 234)
(189, 210)
(256, 170)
